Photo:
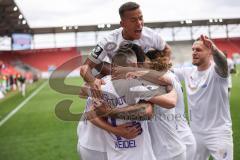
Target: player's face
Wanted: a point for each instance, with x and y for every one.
(200, 54)
(132, 23)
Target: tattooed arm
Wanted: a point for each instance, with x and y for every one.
(219, 58)
(221, 63)
(157, 77)
(140, 111)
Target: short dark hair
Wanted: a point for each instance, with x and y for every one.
(137, 50)
(124, 56)
(128, 6)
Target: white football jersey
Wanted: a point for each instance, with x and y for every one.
(121, 93)
(90, 136)
(180, 114)
(165, 139)
(108, 46)
(208, 101)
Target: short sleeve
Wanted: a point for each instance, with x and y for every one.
(98, 53)
(158, 42)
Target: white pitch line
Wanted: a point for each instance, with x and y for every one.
(21, 104)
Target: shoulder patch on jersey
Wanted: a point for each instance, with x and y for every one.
(96, 51)
(110, 46)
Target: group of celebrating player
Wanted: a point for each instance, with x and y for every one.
(135, 105)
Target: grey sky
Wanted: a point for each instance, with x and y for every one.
(47, 13)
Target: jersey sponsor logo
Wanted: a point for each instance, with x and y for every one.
(96, 51)
(125, 144)
(114, 101)
(119, 142)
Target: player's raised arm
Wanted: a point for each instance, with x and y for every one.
(219, 58)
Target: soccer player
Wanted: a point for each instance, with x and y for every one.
(166, 140)
(91, 139)
(184, 133)
(91, 143)
(131, 31)
(207, 93)
(123, 92)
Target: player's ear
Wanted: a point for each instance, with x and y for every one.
(122, 23)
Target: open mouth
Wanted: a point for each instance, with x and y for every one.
(194, 57)
(138, 31)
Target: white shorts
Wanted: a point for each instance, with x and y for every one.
(189, 140)
(219, 146)
(87, 154)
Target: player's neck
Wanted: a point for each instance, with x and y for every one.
(126, 36)
(204, 67)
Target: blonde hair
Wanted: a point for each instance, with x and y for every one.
(158, 60)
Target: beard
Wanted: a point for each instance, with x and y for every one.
(196, 62)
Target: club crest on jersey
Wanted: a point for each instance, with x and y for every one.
(96, 51)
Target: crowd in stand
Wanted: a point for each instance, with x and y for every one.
(13, 81)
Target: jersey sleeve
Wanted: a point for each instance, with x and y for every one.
(179, 72)
(158, 42)
(98, 53)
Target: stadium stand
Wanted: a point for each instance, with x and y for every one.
(231, 46)
(42, 59)
(181, 51)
